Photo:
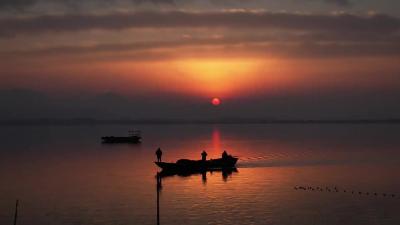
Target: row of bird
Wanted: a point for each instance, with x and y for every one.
(336, 189)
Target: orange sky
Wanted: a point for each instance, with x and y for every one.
(206, 76)
(197, 51)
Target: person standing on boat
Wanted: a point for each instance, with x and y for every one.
(159, 154)
(204, 156)
(224, 155)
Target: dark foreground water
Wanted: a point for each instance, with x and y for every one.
(64, 175)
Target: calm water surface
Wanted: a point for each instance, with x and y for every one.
(64, 175)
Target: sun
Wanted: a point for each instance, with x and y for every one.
(216, 101)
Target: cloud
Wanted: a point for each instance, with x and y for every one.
(285, 45)
(180, 19)
(339, 2)
(16, 4)
(258, 33)
(154, 1)
(24, 4)
(326, 104)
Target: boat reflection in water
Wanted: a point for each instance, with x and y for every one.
(226, 172)
(159, 187)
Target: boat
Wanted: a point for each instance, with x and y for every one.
(189, 166)
(133, 137)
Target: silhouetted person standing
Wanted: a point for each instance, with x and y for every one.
(204, 156)
(224, 155)
(159, 154)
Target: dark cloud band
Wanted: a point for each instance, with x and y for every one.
(175, 19)
(25, 4)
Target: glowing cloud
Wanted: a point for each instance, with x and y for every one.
(218, 77)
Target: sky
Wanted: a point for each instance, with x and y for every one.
(108, 59)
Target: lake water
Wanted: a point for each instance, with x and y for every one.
(64, 175)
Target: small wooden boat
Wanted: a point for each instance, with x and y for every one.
(133, 137)
(186, 165)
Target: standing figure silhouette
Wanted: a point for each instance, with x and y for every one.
(224, 155)
(159, 154)
(204, 156)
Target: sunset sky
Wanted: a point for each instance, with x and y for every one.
(168, 59)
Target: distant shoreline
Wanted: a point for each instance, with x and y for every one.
(78, 121)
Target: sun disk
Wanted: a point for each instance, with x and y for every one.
(216, 101)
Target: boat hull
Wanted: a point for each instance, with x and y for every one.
(113, 140)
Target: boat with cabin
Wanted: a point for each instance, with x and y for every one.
(187, 165)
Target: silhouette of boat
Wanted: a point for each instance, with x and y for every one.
(133, 137)
(187, 166)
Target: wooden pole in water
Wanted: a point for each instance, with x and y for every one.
(16, 212)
